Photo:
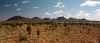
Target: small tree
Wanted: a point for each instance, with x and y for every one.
(65, 24)
(88, 30)
(23, 38)
(0, 25)
(38, 32)
(20, 24)
(29, 30)
(67, 31)
(13, 25)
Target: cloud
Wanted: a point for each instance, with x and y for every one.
(19, 13)
(71, 9)
(15, 4)
(18, 9)
(93, 16)
(10, 5)
(35, 7)
(59, 15)
(66, 16)
(7, 5)
(47, 13)
(97, 12)
(90, 3)
(59, 5)
(27, 14)
(26, 1)
(69, 15)
(32, 14)
(59, 12)
(82, 13)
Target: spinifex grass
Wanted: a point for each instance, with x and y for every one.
(29, 30)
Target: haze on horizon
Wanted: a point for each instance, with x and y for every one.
(88, 9)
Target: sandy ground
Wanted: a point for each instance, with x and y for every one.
(57, 34)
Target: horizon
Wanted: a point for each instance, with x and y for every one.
(50, 18)
(88, 9)
(47, 17)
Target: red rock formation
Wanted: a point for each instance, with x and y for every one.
(61, 18)
(18, 18)
(47, 19)
(36, 18)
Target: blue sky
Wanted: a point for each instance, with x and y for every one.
(89, 9)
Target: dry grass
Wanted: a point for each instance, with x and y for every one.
(50, 33)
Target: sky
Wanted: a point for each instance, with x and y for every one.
(88, 9)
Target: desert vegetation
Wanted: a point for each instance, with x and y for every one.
(49, 32)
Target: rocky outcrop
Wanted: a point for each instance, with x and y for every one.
(46, 19)
(36, 18)
(18, 18)
(61, 18)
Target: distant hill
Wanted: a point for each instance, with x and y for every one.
(46, 19)
(61, 18)
(18, 18)
(38, 18)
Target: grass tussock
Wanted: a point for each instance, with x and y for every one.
(50, 32)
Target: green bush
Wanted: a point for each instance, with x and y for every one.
(20, 24)
(29, 30)
(38, 32)
(0, 25)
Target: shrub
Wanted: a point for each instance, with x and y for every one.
(38, 32)
(13, 25)
(20, 24)
(65, 24)
(46, 29)
(23, 38)
(29, 30)
(0, 25)
(88, 30)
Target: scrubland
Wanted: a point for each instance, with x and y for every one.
(49, 32)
